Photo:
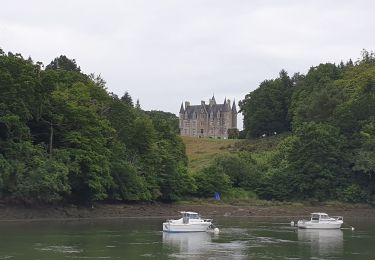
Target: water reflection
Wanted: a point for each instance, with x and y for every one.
(188, 243)
(323, 242)
(239, 238)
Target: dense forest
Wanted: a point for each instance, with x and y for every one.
(329, 114)
(64, 137)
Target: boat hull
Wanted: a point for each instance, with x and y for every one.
(196, 227)
(311, 225)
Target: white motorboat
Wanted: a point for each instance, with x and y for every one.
(321, 221)
(189, 222)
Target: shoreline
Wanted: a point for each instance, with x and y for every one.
(102, 211)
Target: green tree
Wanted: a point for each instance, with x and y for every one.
(365, 156)
(241, 169)
(128, 184)
(265, 109)
(233, 133)
(212, 179)
(316, 96)
(317, 163)
(127, 99)
(29, 175)
(64, 63)
(87, 136)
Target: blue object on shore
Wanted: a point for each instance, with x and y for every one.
(217, 196)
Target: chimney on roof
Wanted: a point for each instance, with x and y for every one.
(187, 103)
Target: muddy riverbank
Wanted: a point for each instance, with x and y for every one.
(164, 210)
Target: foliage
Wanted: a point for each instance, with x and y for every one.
(265, 109)
(64, 63)
(29, 175)
(236, 194)
(354, 193)
(330, 152)
(63, 137)
(212, 179)
(233, 133)
(241, 169)
(316, 161)
(164, 119)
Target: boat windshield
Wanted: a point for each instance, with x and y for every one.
(190, 215)
(194, 216)
(319, 216)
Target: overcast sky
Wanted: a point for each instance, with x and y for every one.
(164, 52)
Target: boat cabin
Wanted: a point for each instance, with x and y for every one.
(190, 214)
(187, 215)
(316, 217)
(319, 216)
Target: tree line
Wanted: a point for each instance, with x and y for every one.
(65, 137)
(328, 116)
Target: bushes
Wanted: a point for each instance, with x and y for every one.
(354, 194)
(29, 175)
(231, 175)
(212, 179)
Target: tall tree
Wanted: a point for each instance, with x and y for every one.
(265, 109)
(64, 63)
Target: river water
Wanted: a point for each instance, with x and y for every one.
(239, 238)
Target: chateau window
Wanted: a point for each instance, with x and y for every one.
(201, 131)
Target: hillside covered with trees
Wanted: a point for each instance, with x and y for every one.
(64, 137)
(329, 114)
(306, 138)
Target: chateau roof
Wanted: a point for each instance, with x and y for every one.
(182, 110)
(216, 108)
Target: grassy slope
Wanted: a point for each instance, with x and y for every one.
(201, 151)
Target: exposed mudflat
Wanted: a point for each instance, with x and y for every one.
(164, 210)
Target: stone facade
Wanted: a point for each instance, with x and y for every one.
(208, 120)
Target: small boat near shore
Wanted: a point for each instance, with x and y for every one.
(189, 222)
(321, 221)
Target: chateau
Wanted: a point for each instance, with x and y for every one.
(208, 120)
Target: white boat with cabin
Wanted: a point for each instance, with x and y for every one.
(189, 222)
(321, 221)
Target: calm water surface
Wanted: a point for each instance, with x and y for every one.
(240, 238)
